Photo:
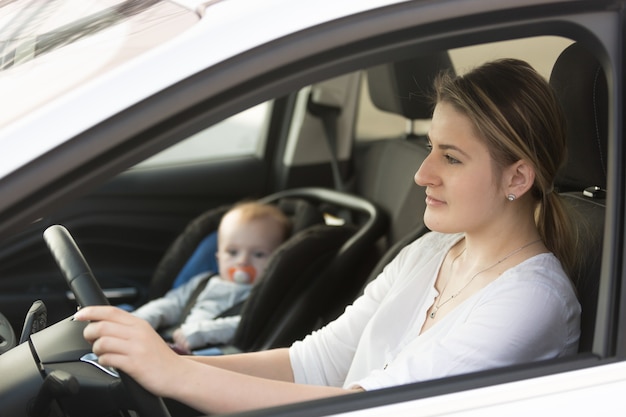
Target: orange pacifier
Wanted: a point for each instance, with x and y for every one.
(242, 274)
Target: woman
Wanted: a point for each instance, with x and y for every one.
(486, 288)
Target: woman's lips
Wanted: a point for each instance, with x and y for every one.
(431, 201)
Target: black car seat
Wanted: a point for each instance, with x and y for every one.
(310, 258)
(580, 84)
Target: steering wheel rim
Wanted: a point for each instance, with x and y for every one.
(87, 291)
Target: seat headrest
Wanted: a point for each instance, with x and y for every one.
(580, 84)
(400, 87)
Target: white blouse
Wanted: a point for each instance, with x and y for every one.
(528, 313)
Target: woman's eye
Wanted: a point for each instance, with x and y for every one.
(429, 147)
(452, 160)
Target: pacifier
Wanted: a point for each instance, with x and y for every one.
(242, 274)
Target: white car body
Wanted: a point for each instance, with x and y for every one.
(225, 30)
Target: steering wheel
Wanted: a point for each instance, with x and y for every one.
(87, 291)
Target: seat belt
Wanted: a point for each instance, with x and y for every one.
(329, 116)
(194, 297)
(168, 332)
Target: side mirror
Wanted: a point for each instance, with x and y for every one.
(7, 335)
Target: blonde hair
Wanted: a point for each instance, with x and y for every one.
(253, 210)
(516, 112)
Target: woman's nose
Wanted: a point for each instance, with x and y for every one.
(424, 176)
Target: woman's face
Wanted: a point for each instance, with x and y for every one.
(462, 193)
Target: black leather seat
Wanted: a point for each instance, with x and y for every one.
(580, 84)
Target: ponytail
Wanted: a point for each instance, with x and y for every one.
(554, 221)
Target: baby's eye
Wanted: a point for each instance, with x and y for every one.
(260, 255)
(231, 252)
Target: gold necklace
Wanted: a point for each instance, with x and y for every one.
(507, 256)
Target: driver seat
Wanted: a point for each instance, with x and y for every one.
(581, 86)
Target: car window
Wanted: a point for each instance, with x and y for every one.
(242, 134)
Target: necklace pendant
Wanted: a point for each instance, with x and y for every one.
(433, 314)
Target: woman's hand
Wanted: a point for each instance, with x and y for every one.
(129, 344)
(209, 384)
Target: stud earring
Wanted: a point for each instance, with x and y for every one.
(511, 197)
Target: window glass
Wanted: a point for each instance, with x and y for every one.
(239, 135)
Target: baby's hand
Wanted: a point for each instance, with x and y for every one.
(180, 342)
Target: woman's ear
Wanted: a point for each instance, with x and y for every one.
(519, 178)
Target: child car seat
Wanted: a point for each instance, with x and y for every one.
(301, 263)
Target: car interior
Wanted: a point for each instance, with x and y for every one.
(339, 157)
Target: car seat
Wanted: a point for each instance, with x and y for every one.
(581, 86)
(311, 258)
(386, 167)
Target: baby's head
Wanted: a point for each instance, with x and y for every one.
(248, 234)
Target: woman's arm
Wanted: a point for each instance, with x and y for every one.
(270, 364)
(216, 390)
(211, 385)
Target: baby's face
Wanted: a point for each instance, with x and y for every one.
(246, 245)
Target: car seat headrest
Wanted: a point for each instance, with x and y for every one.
(402, 87)
(581, 86)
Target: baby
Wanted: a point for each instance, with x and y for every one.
(247, 235)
